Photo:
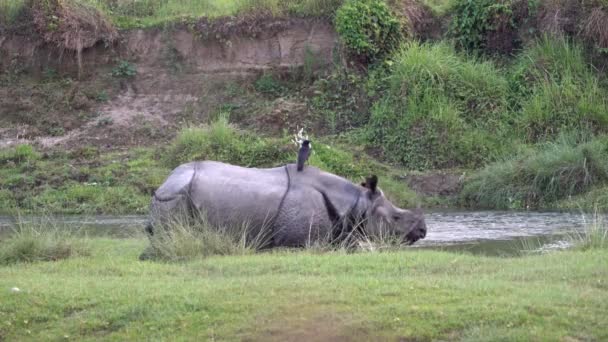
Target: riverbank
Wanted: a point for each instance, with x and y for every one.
(449, 108)
(412, 294)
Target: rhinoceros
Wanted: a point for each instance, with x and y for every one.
(294, 207)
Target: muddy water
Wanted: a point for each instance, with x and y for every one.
(482, 232)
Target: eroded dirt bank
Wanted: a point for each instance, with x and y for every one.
(173, 75)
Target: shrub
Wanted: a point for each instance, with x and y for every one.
(341, 100)
(41, 240)
(368, 28)
(539, 177)
(428, 132)
(268, 85)
(476, 88)
(487, 24)
(546, 59)
(595, 199)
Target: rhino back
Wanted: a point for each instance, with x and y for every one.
(230, 194)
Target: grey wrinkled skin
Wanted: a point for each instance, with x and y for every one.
(318, 204)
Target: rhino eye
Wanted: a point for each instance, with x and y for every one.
(396, 218)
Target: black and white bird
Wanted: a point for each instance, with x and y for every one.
(303, 154)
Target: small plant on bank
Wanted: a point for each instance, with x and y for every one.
(267, 84)
(368, 28)
(124, 69)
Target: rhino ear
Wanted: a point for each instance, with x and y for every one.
(371, 183)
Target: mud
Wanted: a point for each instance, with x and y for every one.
(436, 184)
(276, 43)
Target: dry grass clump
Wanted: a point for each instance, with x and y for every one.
(588, 19)
(71, 25)
(558, 17)
(595, 28)
(420, 18)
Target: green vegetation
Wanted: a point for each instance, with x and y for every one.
(83, 181)
(41, 240)
(368, 28)
(186, 239)
(445, 110)
(595, 235)
(126, 14)
(474, 20)
(540, 177)
(413, 294)
(223, 142)
(86, 181)
(124, 69)
(557, 91)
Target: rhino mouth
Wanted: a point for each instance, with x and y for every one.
(415, 235)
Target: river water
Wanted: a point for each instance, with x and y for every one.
(479, 232)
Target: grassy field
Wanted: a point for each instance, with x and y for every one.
(412, 294)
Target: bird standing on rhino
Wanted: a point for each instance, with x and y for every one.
(291, 208)
(303, 154)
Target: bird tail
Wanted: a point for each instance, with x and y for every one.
(300, 164)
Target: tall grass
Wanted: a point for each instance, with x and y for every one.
(41, 239)
(440, 109)
(594, 235)
(557, 91)
(475, 87)
(564, 106)
(539, 177)
(182, 238)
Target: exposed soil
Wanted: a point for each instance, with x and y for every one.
(436, 184)
(306, 327)
(181, 76)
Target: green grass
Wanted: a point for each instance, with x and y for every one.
(444, 109)
(126, 14)
(596, 198)
(41, 239)
(223, 142)
(86, 181)
(557, 91)
(439, 7)
(413, 294)
(540, 177)
(82, 181)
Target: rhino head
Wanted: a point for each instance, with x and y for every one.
(407, 225)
